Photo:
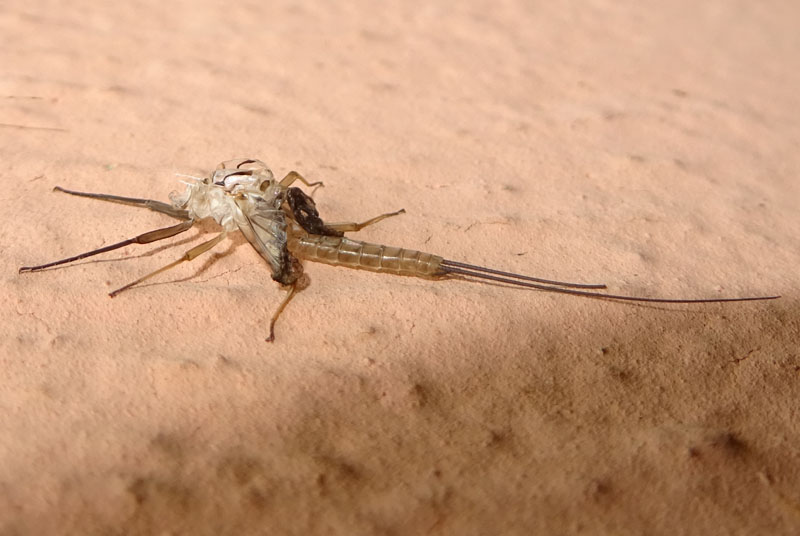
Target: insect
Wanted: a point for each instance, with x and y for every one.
(283, 225)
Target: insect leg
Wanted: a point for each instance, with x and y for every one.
(188, 256)
(156, 206)
(292, 176)
(347, 227)
(279, 310)
(145, 238)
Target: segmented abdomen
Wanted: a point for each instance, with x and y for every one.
(341, 251)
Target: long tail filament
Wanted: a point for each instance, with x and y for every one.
(468, 271)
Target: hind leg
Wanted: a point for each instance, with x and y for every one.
(348, 227)
(188, 256)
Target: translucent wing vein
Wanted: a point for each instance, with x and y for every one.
(265, 229)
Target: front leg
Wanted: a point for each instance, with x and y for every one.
(152, 204)
(292, 176)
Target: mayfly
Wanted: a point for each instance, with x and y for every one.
(283, 225)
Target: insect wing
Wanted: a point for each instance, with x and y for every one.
(265, 228)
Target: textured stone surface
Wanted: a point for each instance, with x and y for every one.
(654, 147)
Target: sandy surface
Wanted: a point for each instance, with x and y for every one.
(653, 148)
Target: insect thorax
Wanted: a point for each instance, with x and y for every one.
(216, 197)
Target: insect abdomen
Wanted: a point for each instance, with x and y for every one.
(341, 251)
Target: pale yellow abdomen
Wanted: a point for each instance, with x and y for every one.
(341, 251)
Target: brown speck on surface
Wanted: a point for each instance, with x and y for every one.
(730, 443)
(497, 438)
(418, 395)
(599, 489)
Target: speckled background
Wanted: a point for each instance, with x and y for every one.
(652, 147)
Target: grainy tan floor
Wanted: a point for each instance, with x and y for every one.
(654, 146)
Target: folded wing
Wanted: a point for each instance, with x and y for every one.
(265, 228)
